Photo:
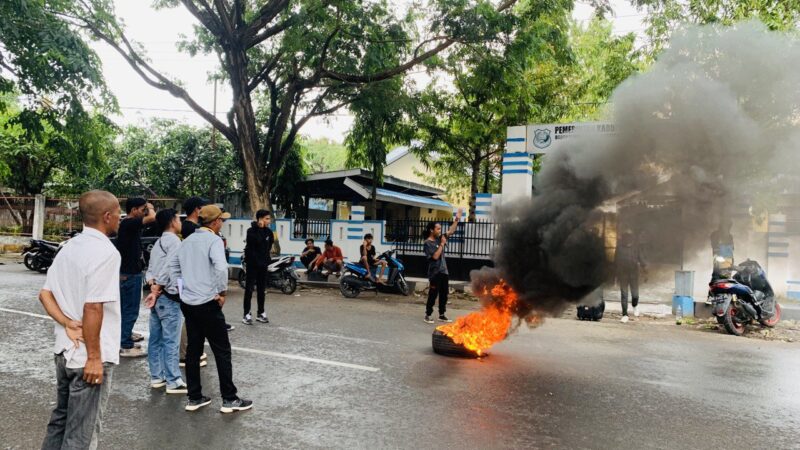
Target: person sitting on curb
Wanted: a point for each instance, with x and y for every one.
(331, 259)
(310, 253)
(367, 251)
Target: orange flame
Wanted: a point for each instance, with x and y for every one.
(480, 330)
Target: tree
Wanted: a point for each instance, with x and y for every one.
(495, 85)
(665, 16)
(168, 159)
(378, 124)
(285, 193)
(36, 144)
(304, 58)
(323, 155)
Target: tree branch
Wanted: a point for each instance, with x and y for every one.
(265, 15)
(206, 18)
(157, 80)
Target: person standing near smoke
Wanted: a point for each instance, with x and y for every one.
(629, 261)
(438, 276)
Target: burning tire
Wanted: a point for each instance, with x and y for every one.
(443, 345)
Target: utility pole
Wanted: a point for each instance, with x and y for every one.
(214, 146)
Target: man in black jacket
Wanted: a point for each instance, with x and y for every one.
(257, 258)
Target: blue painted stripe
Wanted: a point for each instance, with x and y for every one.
(793, 282)
(483, 203)
(355, 229)
(778, 255)
(793, 294)
(778, 244)
(357, 238)
(482, 195)
(513, 171)
(518, 163)
(481, 213)
(234, 260)
(515, 140)
(516, 155)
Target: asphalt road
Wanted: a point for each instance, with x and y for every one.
(335, 373)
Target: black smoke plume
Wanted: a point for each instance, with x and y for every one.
(715, 122)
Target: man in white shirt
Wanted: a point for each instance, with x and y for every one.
(82, 295)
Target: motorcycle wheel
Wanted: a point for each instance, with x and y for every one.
(349, 287)
(720, 320)
(242, 278)
(731, 322)
(30, 261)
(403, 286)
(42, 268)
(289, 286)
(771, 322)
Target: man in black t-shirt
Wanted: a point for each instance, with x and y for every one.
(310, 253)
(129, 244)
(191, 207)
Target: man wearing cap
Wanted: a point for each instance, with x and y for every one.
(129, 243)
(202, 271)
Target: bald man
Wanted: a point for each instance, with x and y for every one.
(81, 294)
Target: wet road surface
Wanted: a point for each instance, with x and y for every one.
(335, 373)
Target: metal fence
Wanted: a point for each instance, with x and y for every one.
(471, 239)
(319, 230)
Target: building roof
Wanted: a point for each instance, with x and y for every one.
(402, 198)
(322, 183)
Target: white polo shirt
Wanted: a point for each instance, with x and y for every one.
(86, 270)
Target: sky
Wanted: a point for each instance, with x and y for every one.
(159, 32)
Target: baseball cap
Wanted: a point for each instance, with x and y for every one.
(210, 213)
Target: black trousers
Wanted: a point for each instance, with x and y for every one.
(439, 285)
(256, 278)
(206, 322)
(629, 281)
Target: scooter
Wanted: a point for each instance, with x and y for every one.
(281, 275)
(39, 254)
(742, 294)
(355, 277)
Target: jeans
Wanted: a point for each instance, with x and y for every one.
(163, 345)
(77, 419)
(130, 296)
(629, 279)
(256, 278)
(439, 285)
(206, 322)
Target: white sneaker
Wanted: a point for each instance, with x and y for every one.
(636, 311)
(158, 384)
(624, 319)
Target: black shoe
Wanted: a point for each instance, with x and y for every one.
(229, 327)
(194, 405)
(248, 320)
(443, 318)
(262, 318)
(428, 319)
(240, 404)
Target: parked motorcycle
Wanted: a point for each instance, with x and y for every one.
(281, 275)
(742, 294)
(355, 277)
(39, 254)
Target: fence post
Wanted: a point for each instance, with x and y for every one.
(38, 217)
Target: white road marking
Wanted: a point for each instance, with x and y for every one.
(305, 358)
(40, 316)
(246, 350)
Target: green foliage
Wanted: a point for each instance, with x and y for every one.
(168, 159)
(36, 145)
(665, 16)
(43, 55)
(285, 193)
(323, 155)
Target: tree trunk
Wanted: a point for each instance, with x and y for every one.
(473, 186)
(375, 196)
(487, 170)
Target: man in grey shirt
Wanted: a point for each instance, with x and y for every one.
(201, 270)
(438, 276)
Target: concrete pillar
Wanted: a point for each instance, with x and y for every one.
(517, 166)
(483, 207)
(38, 217)
(778, 255)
